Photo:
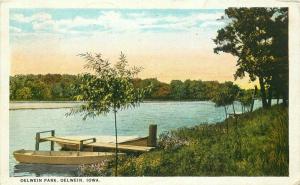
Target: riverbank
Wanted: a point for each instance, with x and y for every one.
(19, 105)
(23, 105)
(256, 144)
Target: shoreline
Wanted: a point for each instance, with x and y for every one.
(69, 101)
(32, 105)
(41, 105)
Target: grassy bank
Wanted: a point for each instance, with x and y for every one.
(256, 144)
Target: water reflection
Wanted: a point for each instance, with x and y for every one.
(39, 170)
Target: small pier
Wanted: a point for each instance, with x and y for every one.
(77, 143)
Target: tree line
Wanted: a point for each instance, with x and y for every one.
(42, 87)
(60, 87)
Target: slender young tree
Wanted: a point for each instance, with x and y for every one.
(246, 99)
(225, 96)
(108, 88)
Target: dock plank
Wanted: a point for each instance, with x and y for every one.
(60, 140)
(105, 145)
(121, 147)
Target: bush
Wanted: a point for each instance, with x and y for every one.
(99, 169)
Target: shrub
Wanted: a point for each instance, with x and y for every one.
(99, 169)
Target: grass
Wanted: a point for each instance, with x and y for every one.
(256, 144)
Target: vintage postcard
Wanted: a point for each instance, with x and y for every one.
(172, 92)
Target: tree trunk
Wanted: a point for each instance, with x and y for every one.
(233, 108)
(116, 151)
(226, 120)
(253, 99)
(285, 98)
(284, 101)
(263, 92)
(270, 94)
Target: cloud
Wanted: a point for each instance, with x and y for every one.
(15, 29)
(116, 21)
(212, 24)
(41, 16)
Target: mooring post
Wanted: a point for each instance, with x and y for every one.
(52, 142)
(37, 141)
(152, 135)
(81, 146)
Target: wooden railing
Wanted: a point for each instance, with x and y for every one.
(38, 139)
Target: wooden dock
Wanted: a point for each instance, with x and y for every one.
(77, 143)
(91, 144)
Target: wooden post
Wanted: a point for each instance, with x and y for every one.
(81, 146)
(152, 135)
(37, 141)
(52, 142)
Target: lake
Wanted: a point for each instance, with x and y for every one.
(131, 122)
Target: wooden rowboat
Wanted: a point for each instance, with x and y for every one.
(60, 157)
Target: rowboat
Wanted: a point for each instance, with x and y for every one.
(60, 157)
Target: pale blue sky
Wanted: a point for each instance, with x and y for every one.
(101, 20)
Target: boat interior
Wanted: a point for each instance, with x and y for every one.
(61, 153)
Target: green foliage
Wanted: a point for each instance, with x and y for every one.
(257, 146)
(159, 91)
(177, 89)
(41, 87)
(24, 93)
(61, 88)
(109, 88)
(194, 89)
(258, 37)
(245, 97)
(226, 94)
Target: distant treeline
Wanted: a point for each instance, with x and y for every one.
(60, 88)
(42, 87)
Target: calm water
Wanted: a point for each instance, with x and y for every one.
(167, 115)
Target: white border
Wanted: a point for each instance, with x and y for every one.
(294, 107)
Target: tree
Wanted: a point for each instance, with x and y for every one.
(23, 94)
(210, 87)
(177, 89)
(12, 87)
(159, 90)
(108, 88)
(163, 92)
(193, 89)
(226, 95)
(57, 91)
(280, 82)
(245, 97)
(255, 36)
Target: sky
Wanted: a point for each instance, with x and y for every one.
(168, 43)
